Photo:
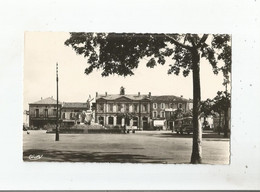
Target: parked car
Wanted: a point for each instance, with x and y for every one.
(183, 125)
(130, 128)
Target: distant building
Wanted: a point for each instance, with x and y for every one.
(43, 112)
(163, 107)
(132, 110)
(74, 112)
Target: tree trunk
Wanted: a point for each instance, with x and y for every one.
(219, 123)
(197, 132)
(226, 123)
(204, 122)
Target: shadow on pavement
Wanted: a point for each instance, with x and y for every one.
(206, 135)
(78, 156)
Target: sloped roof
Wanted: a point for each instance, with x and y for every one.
(46, 101)
(168, 98)
(117, 96)
(74, 105)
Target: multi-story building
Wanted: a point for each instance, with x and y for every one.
(163, 107)
(74, 112)
(43, 112)
(123, 109)
(111, 110)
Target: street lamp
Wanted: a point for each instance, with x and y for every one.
(57, 111)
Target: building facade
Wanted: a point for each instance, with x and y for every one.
(43, 112)
(135, 111)
(118, 110)
(163, 107)
(74, 113)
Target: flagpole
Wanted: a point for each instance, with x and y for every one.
(57, 111)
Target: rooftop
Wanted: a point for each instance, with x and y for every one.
(136, 97)
(75, 105)
(46, 101)
(169, 98)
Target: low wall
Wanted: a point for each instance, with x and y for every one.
(87, 131)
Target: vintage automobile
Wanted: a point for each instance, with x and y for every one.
(183, 125)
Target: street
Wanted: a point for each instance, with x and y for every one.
(141, 147)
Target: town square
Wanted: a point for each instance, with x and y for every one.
(137, 116)
(130, 95)
(161, 147)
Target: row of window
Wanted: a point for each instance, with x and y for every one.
(162, 105)
(46, 112)
(161, 114)
(123, 107)
(71, 116)
(128, 122)
(54, 112)
(126, 107)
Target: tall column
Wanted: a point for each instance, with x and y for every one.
(114, 120)
(139, 109)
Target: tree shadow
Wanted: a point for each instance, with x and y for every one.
(207, 135)
(78, 156)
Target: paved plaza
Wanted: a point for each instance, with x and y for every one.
(141, 147)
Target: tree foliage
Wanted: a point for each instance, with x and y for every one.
(120, 53)
(206, 109)
(222, 101)
(180, 113)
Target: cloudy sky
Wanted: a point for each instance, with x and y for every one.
(44, 49)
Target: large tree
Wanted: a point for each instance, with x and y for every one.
(115, 53)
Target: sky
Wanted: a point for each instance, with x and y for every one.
(44, 49)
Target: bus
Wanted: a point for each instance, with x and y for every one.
(183, 125)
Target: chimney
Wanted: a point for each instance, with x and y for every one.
(138, 93)
(41, 98)
(96, 94)
(149, 95)
(106, 93)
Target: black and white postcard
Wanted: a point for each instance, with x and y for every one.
(127, 95)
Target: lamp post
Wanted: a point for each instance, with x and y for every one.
(57, 111)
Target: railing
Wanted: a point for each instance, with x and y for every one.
(43, 116)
